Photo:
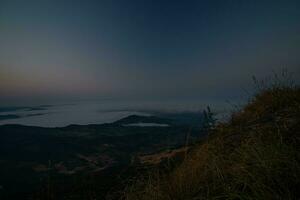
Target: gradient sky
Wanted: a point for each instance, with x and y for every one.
(69, 50)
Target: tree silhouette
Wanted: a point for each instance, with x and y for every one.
(209, 120)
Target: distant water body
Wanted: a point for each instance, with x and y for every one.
(83, 113)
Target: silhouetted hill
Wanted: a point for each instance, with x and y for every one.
(29, 155)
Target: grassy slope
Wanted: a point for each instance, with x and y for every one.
(253, 156)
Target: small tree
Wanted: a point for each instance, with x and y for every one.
(209, 120)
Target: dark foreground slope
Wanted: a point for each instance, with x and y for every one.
(78, 161)
(256, 155)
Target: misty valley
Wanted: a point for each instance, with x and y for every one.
(149, 100)
(66, 157)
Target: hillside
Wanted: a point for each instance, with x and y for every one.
(57, 163)
(254, 155)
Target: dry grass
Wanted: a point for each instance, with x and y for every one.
(253, 156)
(154, 159)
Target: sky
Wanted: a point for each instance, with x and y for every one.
(63, 50)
